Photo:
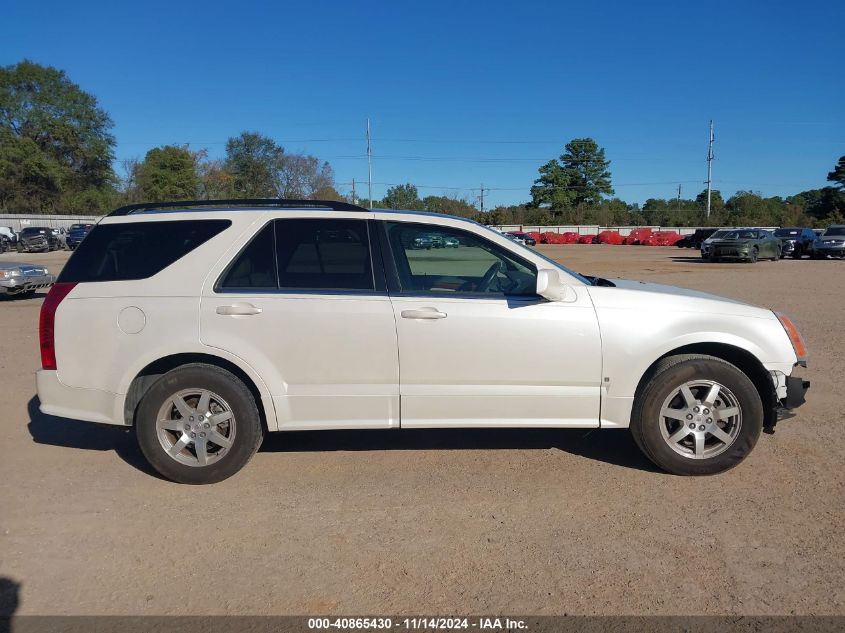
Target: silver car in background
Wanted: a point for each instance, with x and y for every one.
(17, 279)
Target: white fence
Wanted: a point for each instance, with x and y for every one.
(18, 222)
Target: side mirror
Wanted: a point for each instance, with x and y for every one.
(551, 287)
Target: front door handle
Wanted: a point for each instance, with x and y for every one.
(238, 309)
(423, 313)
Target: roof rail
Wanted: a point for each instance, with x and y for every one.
(278, 203)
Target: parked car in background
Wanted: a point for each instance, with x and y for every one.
(695, 240)
(636, 236)
(745, 244)
(523, 238)
(22, 280)
(60, 236)
(587, 239)
(796, 241)
(830, 243)
(216, 325)
(76, 233)
(705, 245)
(662, 238)
(422, 242)
(610, 237)
(37, 239)
(10, 235)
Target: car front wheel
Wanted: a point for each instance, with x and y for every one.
(198, 424)
(697, 415)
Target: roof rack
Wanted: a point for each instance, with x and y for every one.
(277, 203)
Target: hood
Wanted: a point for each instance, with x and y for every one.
(642, 296)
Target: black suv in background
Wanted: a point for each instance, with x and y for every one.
(796, 241)
(695, 240)
(37, 239)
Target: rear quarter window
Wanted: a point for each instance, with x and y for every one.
(136, 250)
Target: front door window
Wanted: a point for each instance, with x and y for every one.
(441, 261)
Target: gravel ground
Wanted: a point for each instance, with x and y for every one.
(439, 522)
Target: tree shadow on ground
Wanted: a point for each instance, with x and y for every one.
(614, 446)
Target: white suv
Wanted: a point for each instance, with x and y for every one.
(205, 325)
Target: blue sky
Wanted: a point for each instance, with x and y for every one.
(464, 93)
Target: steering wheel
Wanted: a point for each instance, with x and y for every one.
(489, 276)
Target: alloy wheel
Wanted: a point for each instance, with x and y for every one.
(700, 419)
(196, 427)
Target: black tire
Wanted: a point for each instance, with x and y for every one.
(668, 375)
(20, 248)
(249, 430)
(798, 253)
(754, 255)
(29, 294)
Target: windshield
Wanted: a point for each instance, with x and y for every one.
(741, 235)
(835, 230)
(33, 229)
(787, 232)
(719, 234)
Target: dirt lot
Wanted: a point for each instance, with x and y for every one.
(438, 522)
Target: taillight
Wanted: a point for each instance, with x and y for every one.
(794, 337)
(47, 323)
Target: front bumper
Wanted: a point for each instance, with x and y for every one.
(19, 285)
(741, 252)
(796, 390)
(819, 249)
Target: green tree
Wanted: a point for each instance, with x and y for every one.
(254, 161)
(838, 174)
(449, 205)
(56, 146)
(553, 188)
(402, 197)
(579, 177)
(716, 202)
(167, 173)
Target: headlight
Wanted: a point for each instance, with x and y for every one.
(8, 274)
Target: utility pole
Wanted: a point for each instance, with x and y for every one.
(679, 195)
(482, 197)
(354, 197)
(710, 167)
(370, 166)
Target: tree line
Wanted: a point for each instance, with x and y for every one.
(57, 156)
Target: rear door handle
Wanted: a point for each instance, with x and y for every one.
(423, 313)
(238, 309)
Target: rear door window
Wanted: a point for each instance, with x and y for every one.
(304, 254)
(136, 250)
(323, 254)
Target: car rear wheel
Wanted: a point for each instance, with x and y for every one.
(697, 415)
(754, 255)
(198, 424)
